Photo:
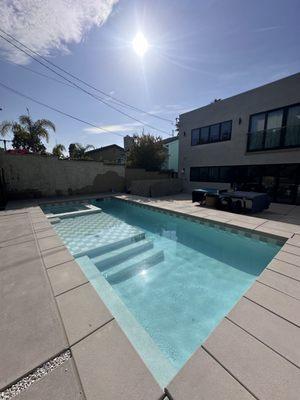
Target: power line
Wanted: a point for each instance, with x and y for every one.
(84, 90)
(119, 102)
(57, 110)
(50, 77)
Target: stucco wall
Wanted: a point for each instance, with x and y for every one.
(33, 176)
(172, 161)
(156, 188)
(238, 109)
(133, 174)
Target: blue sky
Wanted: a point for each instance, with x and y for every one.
(199, 51)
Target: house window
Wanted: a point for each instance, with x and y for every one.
(225, 133)
(215, 133)
(212, 133)
(292, 135)
(195, 136)
(204, 135)
(275, 129)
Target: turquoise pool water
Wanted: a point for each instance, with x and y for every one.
(169, 281)
(63, 207)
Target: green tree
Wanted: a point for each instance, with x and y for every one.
(78, 152)
(28, 134)
(148, 152)
(58, 150)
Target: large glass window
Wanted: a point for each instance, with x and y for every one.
(273, 132)
(195, 137)
(203, 174)
(275, 129)
(215, 133)
(194, 174)
(225, 130)
(225, 174)
(257, 123)
(213, 174)
(292, 136)
(204, 135)
(212, 133)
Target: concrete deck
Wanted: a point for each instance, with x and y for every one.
(47, 306)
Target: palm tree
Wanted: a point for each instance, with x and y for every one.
(58, 150)
(28, 133)
(77, 150)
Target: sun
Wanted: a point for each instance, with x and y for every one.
(140, 44)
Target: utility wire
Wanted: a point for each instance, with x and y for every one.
(57, 110)
(82, 89)
(119, 102)
(51, 78)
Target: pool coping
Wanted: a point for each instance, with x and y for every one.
(275, 294)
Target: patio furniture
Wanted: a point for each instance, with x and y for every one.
(244, 201)
(199, 195)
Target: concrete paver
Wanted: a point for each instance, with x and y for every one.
(272, 330)
(48, 243)
(56, 256)
(288, 257)
(295, 240)
(82, 312)
(38, 226)
(282, 283)
(45, 233)
(66, 276)
(284, 268)
(111, 369)
(274, 232)
(279, 303)
(257, 367)
(283, 226)
(60, 384)
(30, 331)
(202, 378)
(291, 249)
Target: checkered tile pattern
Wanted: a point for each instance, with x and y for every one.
(86, 232)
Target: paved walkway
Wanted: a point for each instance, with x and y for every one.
(48, 307)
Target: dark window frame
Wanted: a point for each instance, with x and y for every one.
(264, 132)
(209, 135)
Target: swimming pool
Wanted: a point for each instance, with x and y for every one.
(167, 280)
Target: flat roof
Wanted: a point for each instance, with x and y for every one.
(221, 101)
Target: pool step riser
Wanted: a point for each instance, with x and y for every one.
(135, 269)
(111, 246)
(106, 261)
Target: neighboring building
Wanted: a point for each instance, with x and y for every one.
(112, 154)
(251, 140)
(128, 142)
(172, 146)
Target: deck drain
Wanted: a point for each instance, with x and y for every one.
(35, 376)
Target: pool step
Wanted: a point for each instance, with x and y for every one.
(117, 256)
(105, 248)
(134, 266)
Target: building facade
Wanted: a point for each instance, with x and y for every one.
(112, 154)
(172, 146)
(250, 141)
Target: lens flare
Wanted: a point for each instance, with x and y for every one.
(140, 44)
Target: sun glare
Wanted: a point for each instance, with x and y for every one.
(140, 44)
